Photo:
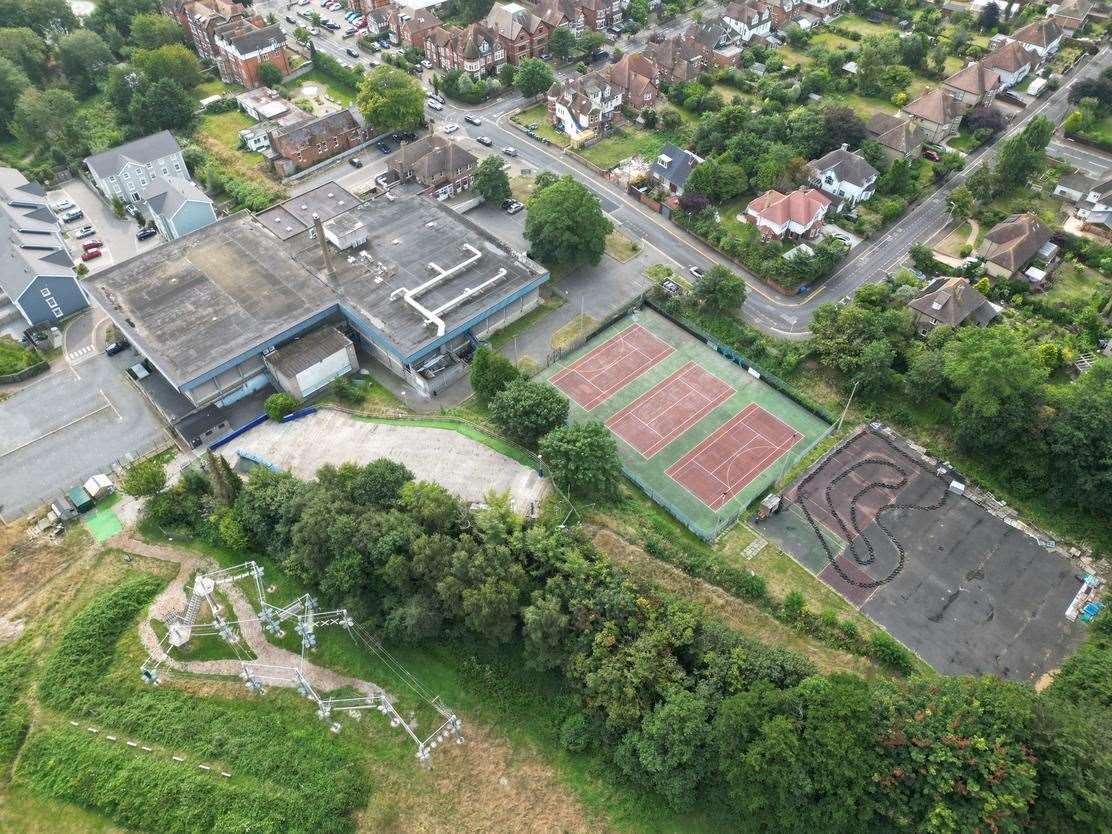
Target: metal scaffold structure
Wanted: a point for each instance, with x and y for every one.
(307, 618)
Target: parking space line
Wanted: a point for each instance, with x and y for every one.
(74, 422)
(119, 417)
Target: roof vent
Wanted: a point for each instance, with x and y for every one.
(329, 195)
(304, 207)
(396, 241)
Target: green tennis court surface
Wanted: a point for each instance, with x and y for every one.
(701, 435)
(103, 523)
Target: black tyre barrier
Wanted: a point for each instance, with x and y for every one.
(902, 481)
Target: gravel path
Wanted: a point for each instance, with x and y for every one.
(173, 600)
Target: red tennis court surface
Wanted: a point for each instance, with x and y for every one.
(593, 378)
(668, 409)
(725, 462)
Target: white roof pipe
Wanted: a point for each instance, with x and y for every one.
(441, 276)
(468, 293)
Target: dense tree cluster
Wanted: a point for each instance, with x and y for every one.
(682, 706)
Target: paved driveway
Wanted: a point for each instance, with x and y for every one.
(71, 424)
(118, 235)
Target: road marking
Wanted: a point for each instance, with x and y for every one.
(45, 435)
(119, 417)
(77, 354)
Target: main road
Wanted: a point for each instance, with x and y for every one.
(765, 308)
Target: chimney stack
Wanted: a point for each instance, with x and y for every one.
(323, 244)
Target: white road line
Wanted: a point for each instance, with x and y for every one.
(60, 428)
(119, 417)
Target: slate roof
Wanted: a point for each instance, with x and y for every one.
(1014, 242)
(1077, 182)
(24, 205)
(635, 74)
(975, 78)
(951, 301)
(430, 158)
(165, 196)
(140, 151)
(674, 165)
(511, 20)
(318, 130)
(245, 37)
(746, 12)
(847, 166)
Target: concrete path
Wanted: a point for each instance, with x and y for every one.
(173, 600)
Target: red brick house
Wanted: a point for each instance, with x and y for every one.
(297, 147)
(410, 27)
(561, 13)
(521, 33)
(637, 77)
(474, 50)
(679, 58)
(241, 47)
(601, 14)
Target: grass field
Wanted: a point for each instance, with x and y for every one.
(14, 357)
(340, 93)
(1076, 282)
(624, 143)
(651, 472)
(538, 115)
(620, 248)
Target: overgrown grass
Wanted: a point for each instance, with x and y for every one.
(340, 93)
(14, 357)
(621, 248)
(490, 441)
(624, 143)
(15, 666)
(538, 115)
(507, 333)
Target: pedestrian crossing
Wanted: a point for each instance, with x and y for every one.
(81, 354)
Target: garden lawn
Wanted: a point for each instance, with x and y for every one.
(953, 241)
(215, 87)
(624, 143)
(1101, 131)
(832, 41)
(962, 142)
(224, 128)
(864, 107)
(340, 93)
(620, 248)
(1075, 283)
(14, 357)
(856, 23)
(538, 115)
(793, 56)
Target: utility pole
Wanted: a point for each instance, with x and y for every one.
(838, 428)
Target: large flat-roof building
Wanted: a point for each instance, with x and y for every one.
(410, 280)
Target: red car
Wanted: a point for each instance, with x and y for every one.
(89, 254)
(931, 154)
(92, 244)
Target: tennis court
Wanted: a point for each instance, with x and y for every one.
(662, 414)
(593, 378)
(737, 452)
(678, 407)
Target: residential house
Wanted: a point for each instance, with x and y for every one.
(1071, 15)
(783, 12)
(1097, 200)
(435, 162)
(823, 10)
(561, 13)
(952, 302)
(747, 19)
(974, 85)
(474, 50)
(584, 105)
(844, 176)
(302, 145)
(368, 7)
(1009, 246)
(176, 206)
(672, 167)
(1074, 187)
(601, 14)
(637, 77)
(1011, 61)
(409, 27)
(271, 111)
(678, 58)
(225, 34)
(799, 214)
(899, 137)
(936, 112)
(1043, 37)
(37, 277)
(127, 171)
(521, 33)
(242, 45)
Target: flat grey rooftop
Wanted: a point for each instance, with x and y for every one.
(217, 294)
(207, 297)
(296, 214)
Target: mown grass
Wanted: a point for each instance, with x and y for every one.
(624, 143)
(620, 248)
(507, 333)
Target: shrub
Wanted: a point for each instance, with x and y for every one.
(279, 405)
(888, 652)
(575, 733)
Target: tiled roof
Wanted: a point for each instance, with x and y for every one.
(1009, 57)
(1014, 242)
(936, 106)
(948, 301)
(1041, 33)
(674, 165)
(318, 130)
(975, 78)
(801, 206)
(902, 135)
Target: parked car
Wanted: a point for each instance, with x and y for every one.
(403, 136)
(355, 162)
(64, 205)
(90, 254)
(85, 231)
(290, 19)
(931, 154)
(436, 97)
(146, 232)
(92, 244)
(509, 150)
(697, 271)
(73, 214)
(348, 32)
(513, 208)
(118, 346)
(451, 127)
(432, 104)
(384, 147)
(485, 141)
(351, 52)
(472, 120)
(330, 24)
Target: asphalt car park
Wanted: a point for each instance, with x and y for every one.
(117, 235)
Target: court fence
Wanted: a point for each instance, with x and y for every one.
(625, 309)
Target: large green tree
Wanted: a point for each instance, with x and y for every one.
(13, 81)
(1080, 441)
(144, 478)
(391, 100)
(561, 42)
(27, 49)
(565, 225)
(491, 180)
(164, 105)
(720, 290)
(46, 118)
(490, 373)
(84, 58)
(150, 31)
(533, 76)
(172, 61)
(526, 411)
(583, 458)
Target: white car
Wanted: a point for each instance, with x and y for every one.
(433, 105)
(697, 271)
(64, 205)
(314, 31)
(426, 64)
(509, 151)
(451, 127)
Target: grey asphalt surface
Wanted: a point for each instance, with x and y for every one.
(1089, 160)
(118, 235)
(70, 424)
